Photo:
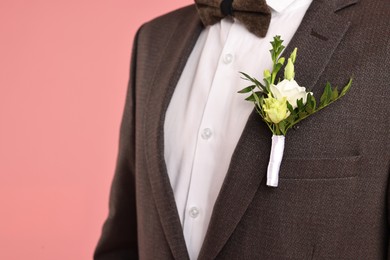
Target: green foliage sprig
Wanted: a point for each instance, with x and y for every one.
(271, 109)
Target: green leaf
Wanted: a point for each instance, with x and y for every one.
(247, 89)
(281, 60)
(268, 80)
(253, 80)
(272, 54)
(291, 118)
(282, 127)
(310, 104)
(257, 100)
(326, 96)
(252, 97)
(308, 108)
(277, 48)
(313, 100)
(246, 76)
(300, 104)
(302, 114)
(335, 94)
(277, 67)
(259, 85)
(346, 88)
(290, 108)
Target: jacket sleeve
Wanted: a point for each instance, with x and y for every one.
(119, 235)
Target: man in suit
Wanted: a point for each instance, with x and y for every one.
(190, 176)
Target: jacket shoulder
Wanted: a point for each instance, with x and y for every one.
(170, 20)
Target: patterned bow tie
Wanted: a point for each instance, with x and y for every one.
(254, 14)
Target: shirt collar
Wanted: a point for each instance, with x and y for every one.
(279, 5)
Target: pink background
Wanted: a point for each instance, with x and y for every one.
(63, 71)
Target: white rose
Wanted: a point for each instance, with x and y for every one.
(291, 90)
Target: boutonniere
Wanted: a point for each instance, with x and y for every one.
(284, 104)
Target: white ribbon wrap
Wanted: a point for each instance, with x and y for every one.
(275, 159)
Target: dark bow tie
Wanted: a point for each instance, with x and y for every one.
(254, 14)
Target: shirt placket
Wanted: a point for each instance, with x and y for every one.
(204, 185)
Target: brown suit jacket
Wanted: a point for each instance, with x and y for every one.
(332, 199)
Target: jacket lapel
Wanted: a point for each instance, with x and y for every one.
(316, 39)
(318, 36)
(172, 62)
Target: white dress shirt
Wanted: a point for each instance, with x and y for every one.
(206, 115)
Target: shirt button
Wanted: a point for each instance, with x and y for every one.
(194, 212)
(206, 133)
(228, 58)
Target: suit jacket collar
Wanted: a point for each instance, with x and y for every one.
(317, 37)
